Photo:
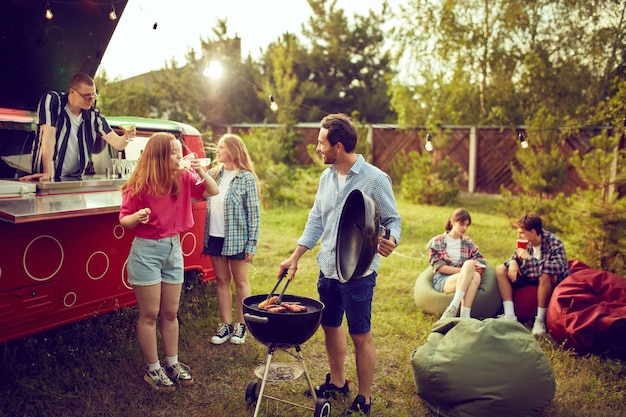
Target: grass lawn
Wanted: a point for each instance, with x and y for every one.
(94, 368)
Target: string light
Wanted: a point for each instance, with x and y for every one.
(429, 143)
(522, 141)
(273, 105)
(112, 14)
(49, 15)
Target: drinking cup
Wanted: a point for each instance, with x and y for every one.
(522, 243)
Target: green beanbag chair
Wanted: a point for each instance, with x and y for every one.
(486, 304)
(470, 368)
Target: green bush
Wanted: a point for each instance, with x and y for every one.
(595, 230)
(550, 210)
(429, 181)
(281, 183)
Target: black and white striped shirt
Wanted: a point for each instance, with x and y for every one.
(72, 146)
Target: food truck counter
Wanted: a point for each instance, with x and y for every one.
(58, 199)
(85, 184)
(49, 207)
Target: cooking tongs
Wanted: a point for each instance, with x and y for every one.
(280, 279)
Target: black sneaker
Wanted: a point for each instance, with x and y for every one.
(239, 334)
(358, 407)
(224, 332)
(328, 390)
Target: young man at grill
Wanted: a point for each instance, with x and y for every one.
(542, 263)
(347, 171)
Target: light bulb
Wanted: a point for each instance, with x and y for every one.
(112, 14)
(273, 105)
(429, 143)
(49, 15)
(522, 141)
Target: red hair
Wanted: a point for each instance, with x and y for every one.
(153, 174)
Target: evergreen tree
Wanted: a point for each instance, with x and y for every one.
(543, 170)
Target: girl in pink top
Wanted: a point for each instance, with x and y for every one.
(156, 202)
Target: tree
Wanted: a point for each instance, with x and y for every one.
(596, 217)
(348, 62)
(543, 169)
(281, 64)
(125, 97)
(507, 57)
(454, 54)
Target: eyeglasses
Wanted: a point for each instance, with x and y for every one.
(87, 97)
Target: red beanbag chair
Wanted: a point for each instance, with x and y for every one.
(525, 301)
(587, 311)
(525, 298)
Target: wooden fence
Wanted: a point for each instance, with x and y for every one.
(484, 154)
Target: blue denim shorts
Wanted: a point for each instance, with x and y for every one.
(153, 261)
(354, 298)
(439, 280)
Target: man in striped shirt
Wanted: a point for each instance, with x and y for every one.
(67, 128)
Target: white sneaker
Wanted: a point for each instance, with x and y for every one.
(450, 312)
(539, 328)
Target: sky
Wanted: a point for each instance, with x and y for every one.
(137, 48)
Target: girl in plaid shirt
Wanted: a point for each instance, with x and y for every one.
(231, 233)
(457, 264)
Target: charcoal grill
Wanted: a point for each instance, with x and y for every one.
(283, 331)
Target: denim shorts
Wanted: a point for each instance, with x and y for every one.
(153, 261)
(439, 280)
(354, 298)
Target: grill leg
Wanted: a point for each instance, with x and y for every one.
(306, 373)
(266, 372)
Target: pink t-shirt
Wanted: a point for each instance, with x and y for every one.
(168, 215)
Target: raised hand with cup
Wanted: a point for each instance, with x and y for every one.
(193, 163)
(130, 131)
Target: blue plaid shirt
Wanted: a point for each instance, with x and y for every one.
(553, 260)
(242, 214)
(323, 220)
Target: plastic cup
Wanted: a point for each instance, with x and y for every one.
(522, 243)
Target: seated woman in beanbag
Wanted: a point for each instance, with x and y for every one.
(457, 264)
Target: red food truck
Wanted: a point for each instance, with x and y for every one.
(62, 250)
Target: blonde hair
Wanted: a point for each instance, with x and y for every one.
(238, 153)
(154, 174)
